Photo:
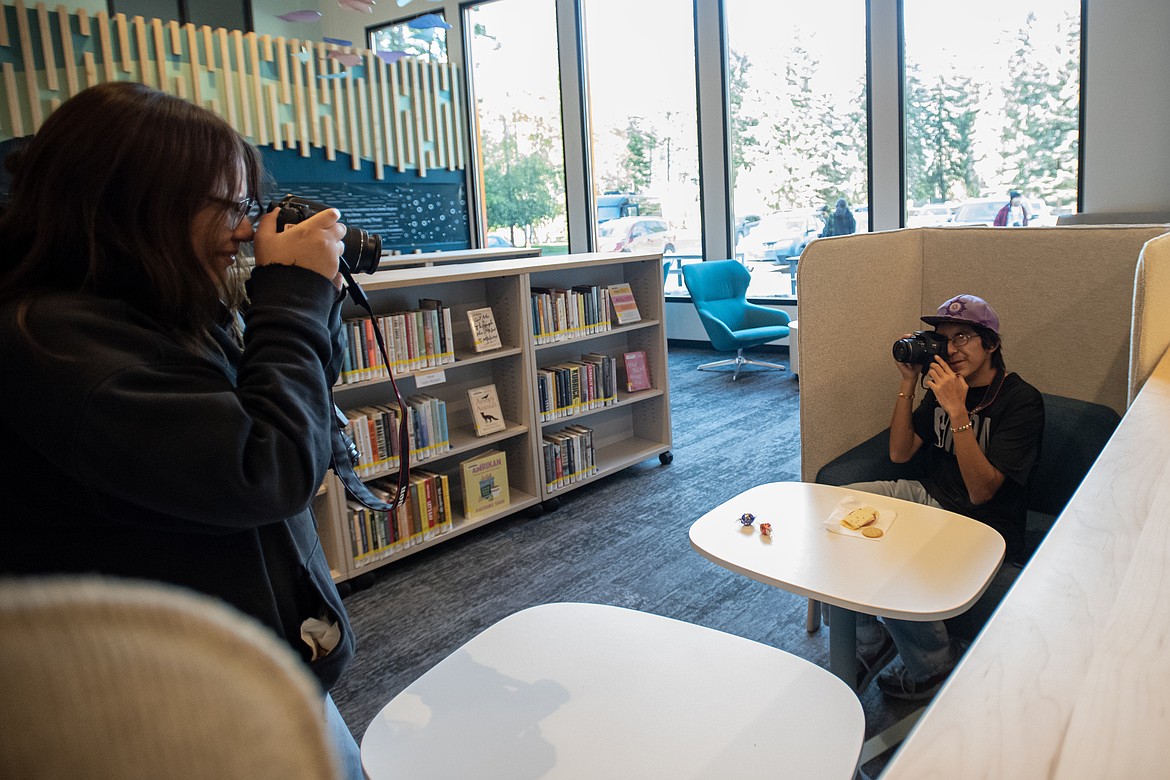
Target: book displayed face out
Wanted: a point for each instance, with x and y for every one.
(484, 335)
(485, 483)
(637, 371)
(625, 307)
(486, 414)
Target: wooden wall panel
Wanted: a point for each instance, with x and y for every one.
(281, 93)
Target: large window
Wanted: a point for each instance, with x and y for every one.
(991, 111)
(515, 84)
(642, 109)
(796, 74)
(990, 97)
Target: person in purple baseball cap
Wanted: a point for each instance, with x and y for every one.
(977, 436)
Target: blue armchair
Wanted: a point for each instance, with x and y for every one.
(719, 291)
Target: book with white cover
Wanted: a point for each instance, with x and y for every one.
(484, 335)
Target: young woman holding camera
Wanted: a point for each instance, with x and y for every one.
(162, 418)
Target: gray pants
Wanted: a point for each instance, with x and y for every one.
(927, 648)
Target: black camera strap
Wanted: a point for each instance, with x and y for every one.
(345, 454)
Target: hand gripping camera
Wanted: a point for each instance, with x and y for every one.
(921, 348)
(363, 250)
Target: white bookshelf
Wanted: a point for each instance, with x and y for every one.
(634, 429)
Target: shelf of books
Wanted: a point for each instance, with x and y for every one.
(461, 363)
(485, 403)
(602, 398)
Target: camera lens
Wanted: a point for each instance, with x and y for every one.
(908, 350)
(363, 251)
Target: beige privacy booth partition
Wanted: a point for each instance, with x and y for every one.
(1151, 312)
(1064, 295)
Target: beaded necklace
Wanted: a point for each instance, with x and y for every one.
(1000, 375)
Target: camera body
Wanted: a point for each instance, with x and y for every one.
(363, 251)
(921, 348)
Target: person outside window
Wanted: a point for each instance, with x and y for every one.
(981, 427)
(162, 419)
(840, 222)
(1014, 213)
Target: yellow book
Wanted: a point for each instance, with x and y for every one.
(418, 509)
(485, 483)
(446, 519)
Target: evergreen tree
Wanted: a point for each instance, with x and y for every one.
(744, 144)
(639, 156)
(799, 139)
(841, 172)
(1039, 138)
(940, 124)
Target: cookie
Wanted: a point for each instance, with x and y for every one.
(862, 516)
(872, 533)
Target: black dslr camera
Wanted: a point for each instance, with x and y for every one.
(363, 251)
(921, 348)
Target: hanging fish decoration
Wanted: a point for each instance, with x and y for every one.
(428, 21)
(349, 60)
(391, 57)
(301, 16)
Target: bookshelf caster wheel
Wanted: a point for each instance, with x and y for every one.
(666, 458)
(535, 511)
(551, 505)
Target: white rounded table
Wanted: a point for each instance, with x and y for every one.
(930, 565)
(590, 691)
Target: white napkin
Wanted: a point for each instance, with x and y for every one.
(848, 504)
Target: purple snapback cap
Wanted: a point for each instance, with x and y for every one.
(968, 309)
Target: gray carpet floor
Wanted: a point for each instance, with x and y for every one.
(620, 541)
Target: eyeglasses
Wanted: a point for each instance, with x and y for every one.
(238, 210)
(961, 339)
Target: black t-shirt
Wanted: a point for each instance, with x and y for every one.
(1008, 430)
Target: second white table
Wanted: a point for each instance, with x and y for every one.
(930, 565)
(583, 691)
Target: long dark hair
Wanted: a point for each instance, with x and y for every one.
(103, 198)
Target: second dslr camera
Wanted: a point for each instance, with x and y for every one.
(921, 348)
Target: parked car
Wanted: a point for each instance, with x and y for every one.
(982, 211)
(779, 236)
(635, 234)
(929, 215)
(744, 225)
(495, 239)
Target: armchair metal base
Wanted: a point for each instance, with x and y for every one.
(739, 361)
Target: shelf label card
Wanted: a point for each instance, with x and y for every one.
(430, 378)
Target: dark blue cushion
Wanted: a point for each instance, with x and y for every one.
(1075, 432)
